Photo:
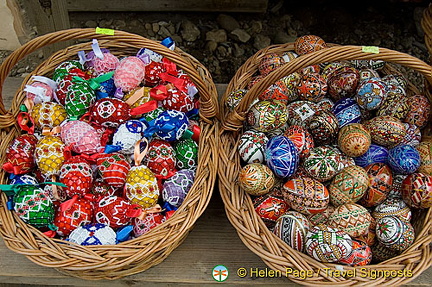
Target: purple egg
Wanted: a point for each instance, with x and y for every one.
(176, 187)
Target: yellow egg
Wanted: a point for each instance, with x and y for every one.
(48, 114)
(49, 155)
(141, 186)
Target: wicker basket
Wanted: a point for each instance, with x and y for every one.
(139, 254)
(238, 204)
(426, 23)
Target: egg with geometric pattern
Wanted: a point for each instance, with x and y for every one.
(425, 152)
(395, 233)
(417, 190)
(324, 127)
(267, 115)
(354, 140)
(387, 131)
(281, 156)
(256, 179)
(381, 181)
(252, 146)
(292, 228)
(301, 138)
(269, 208)
(393, 207)
(323, 163)
(404, 159)
(349, 185)
(360, 255)
(352, 218)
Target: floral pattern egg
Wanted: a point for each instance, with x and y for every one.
(267, 115)
(349, 185)
(370, 94)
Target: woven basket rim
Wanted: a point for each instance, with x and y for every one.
(141, 253)
(239, 207)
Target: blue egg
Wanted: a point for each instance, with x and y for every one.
(171, 125)
(404, 159)
(24, 179)
(374, 154)
(106, 89)
(281, 156)
(347, 111)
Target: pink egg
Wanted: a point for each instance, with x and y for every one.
(129, 73)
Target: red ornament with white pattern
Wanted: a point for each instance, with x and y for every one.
(113, 168)
(20, 154)
(152, 73)
(178, 100)
(115, 211)
(160, 159)
(76, 174)
(73, 213)
(63, 89)
(110, 112)
(150, 221)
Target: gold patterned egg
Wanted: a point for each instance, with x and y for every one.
(141, 186)
(425, 151)
(49, 155)
(354, 140)
(349, 185)
(352, 218)
(256, 179)
(395, 105)
(48, 114)
(387, 131)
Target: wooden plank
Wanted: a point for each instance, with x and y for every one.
(257, 6)
(61, 14)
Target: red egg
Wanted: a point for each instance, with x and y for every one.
(152, 73)
(114, 211)
(73, 213)
(381, 182)
(417, 190)
(160, 159)
(113, 168)
(20, 154)
(76, 174)
(269, 208)
(110, 112)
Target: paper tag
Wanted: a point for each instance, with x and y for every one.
(104, 31)
(370, 49)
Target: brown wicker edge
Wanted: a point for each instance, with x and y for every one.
(139, 254)
(239, 207)
(426, 23)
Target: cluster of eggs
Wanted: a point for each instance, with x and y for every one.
(109, 148)
(333, 157)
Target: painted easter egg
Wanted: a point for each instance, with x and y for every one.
(76, 174)
(113, 168)
(329, 68)
(270, 62)
(283, 90)
(308, 43)
(354, 140)
(186, 153)
(141, 186)
(367, 73)
(392, 207)
(370, 237)
(370, 94)
(321, 217)
(311, 87)
(374, 154)
(269, 208)
(129, 73)
(160, 158)
(177, 187)
(301, 138)
(256, 179)
(252, 145)
(267, 115)
(395, 233)
(360, 255)
(324, 127)
(71, 214)
(113, 211)
(150, 221)
(93, 234)
(396, 191)
(347, 111)
(425, 151)
(404, 159)
(381, 181)
(306, 195)
(300, 112)
(281, 156)
(171, 125)
(327, 244)
(396, 80)
(419, 111)
(110, 112)
(49, 155)
(178, 100)
(81, 137)
(79, 98)
(386, 130)
(234, 98)
(349, 185)
(395, 105)
(20, 154)
(322, 163)
(352, 218)
(417, 190)
(326, 104)
(368, 64)
(413, 135)
(292, 228)
(343, 82)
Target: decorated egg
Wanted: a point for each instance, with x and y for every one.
(283, 90)
(370, 237)
(267, 115)
(113, 168)
(81, 137)
(104, 64)
(374, 154)
(178, 100)
(256, 179)
(41, 90)
(76, 174)
(386, 130)
(322, 163)
(349, 185)
(71, 214)
(269, 208)
(171, 125)
(354, 140)
(63, 89)
(312, 87)
(48, 115)
(269, 62)
(186, 154)
(65, 69)
(396, 79)
(300, 112)
(347, 111)
(360, 255)
(141, 187)
(177, 187)
(252, 146)
(292, 228)
(101, 189)
(395, 105)
(419, 111)
(160, 158)
(106, 89)
(20, 154)
(343, 82)
(395, 233)
(352, 218)
(79, 98)
(24, 179)
(425, 151)
(49, 155)
(308, 43)
(301, 138)
(381, 181)
(367, 73)
(306, 195)
(321, 217)
(370, 94)
(234, 98)
(417, 190)
(404, 159)
(281, 156)
(152, 73)
(326, 104)
(327, 244)
(110, 112)
(93, 234)
(129, 73)
(392, 207)
(324, 127)
(150, 221)
(127, 135)
(368, 64)
(396, 191)
(114, 211)
(412, 136)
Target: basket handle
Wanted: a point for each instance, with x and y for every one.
(207, 89)
(234, 120)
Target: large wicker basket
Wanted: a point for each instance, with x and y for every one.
(139, 254)
(239, 206)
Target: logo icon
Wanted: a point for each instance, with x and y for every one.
(220, 273)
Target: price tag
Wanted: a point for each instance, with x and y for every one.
(370, 49)
(104, 31)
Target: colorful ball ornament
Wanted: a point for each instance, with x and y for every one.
(141, 186)
(417, 190)
(269, 208)
(360, 255)
(322, 163)
(392, 207)
(343, 82)
(404, 159)
(301, 138)
(327, 244)
(93, 234)
(306, 195)
(24, 179)
(101, 189)
(425, 151)
(71, 214)
(281, 156)
(150, 221)
(352, 218)
(81, 137)
(269, 63)
(324, 127)
(63, 89)
(49, 155)
(110, 112)
(76, 174)
(292, 228)
(152, 73)
(312, 87)
(374, 154)
(395, 233)
(371, 93)
(186, 153)
(178, 100)
(300, 112)
(113, 168)
(129, 73)
(79, 98)
(354, 140)
(308, 43)
(48, 115)
(349, 185)
(127, 135)
(171, 125)
(347, 111)
(177, 187)
(381, 181)
(395, 105)
(20, 154)
(160, 158)
(114, 211)
(419, 111)
(256, 179)
(386, 130)
(267, 115)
